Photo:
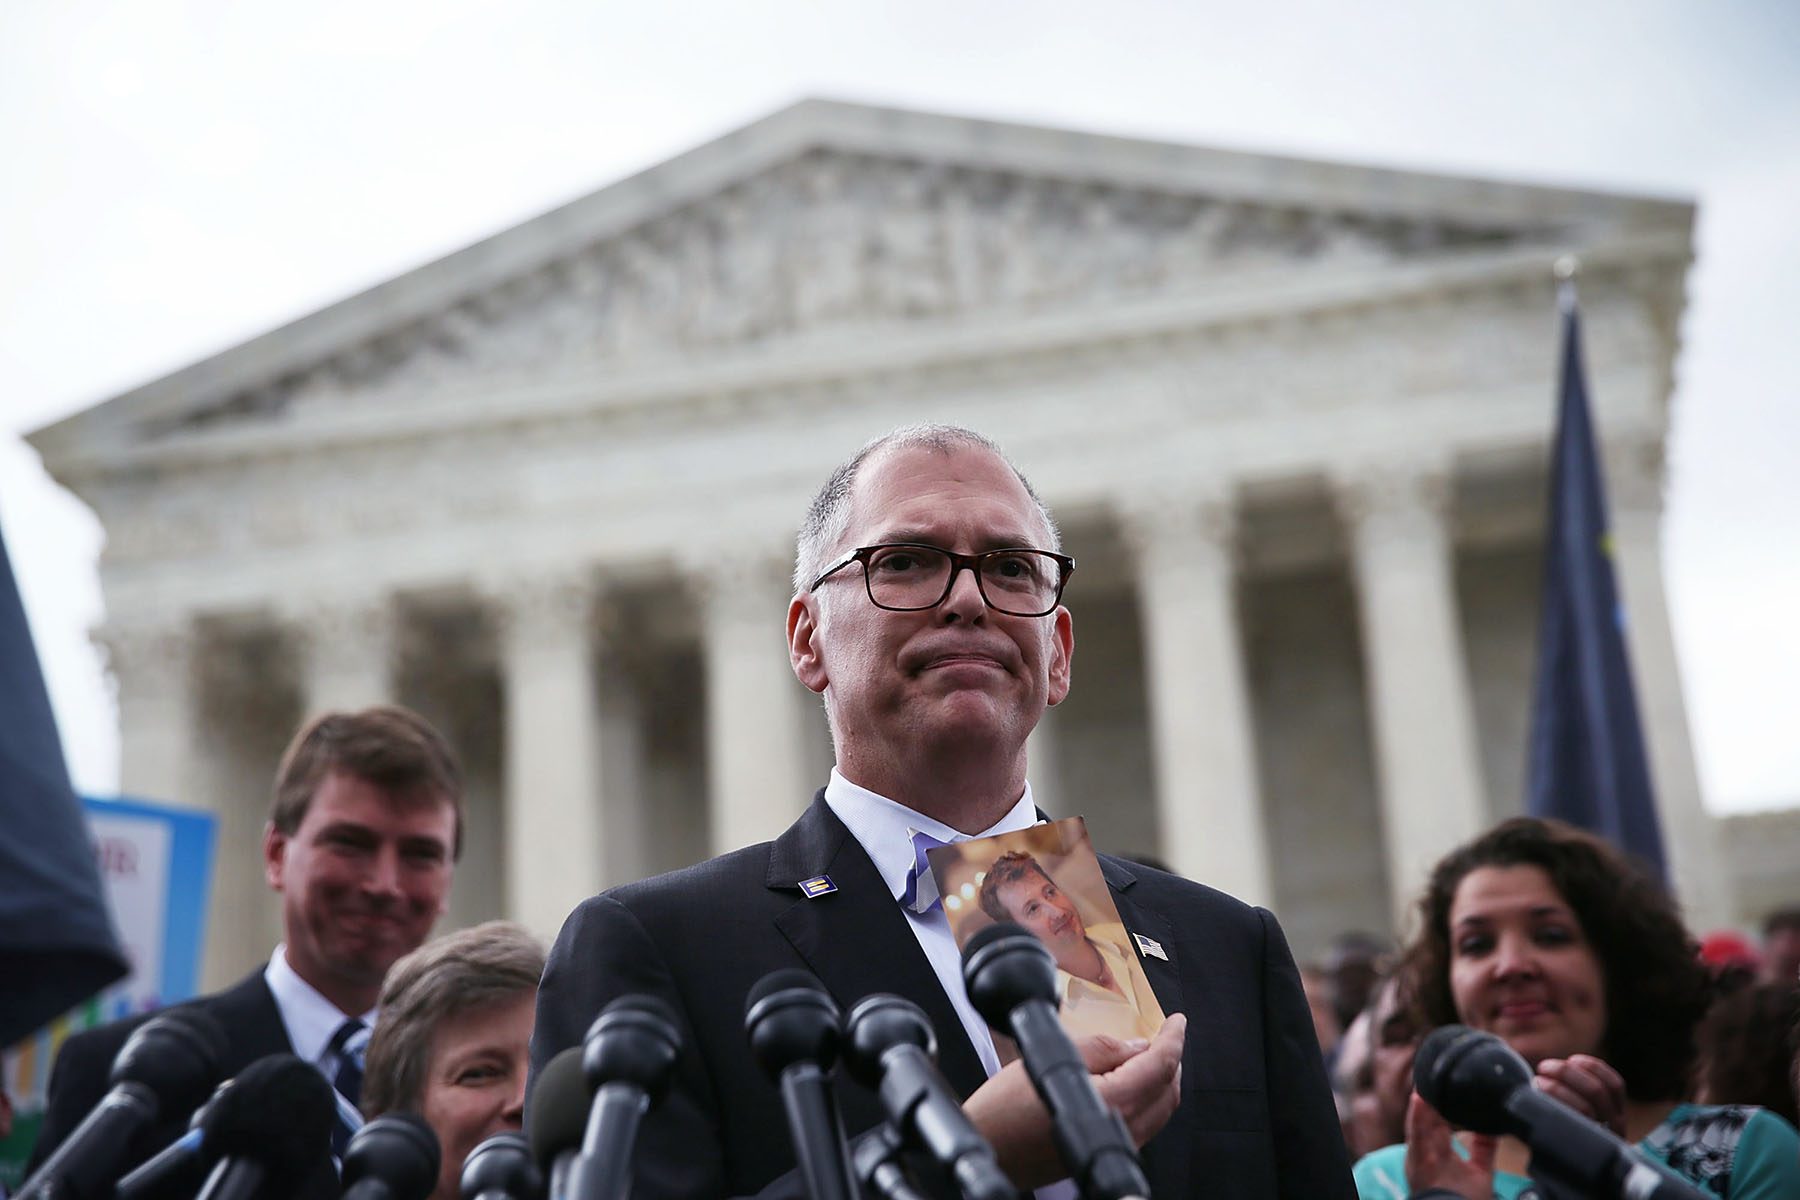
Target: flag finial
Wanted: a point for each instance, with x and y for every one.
(1566, 269)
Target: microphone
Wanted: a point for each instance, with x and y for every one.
(890, 1049)
(875, 1158)
(393, 1157)
(270, 1130)
(627, 1057)
(1480, 1083)
(167, 1065)
(502, 1168)
(180, 1167)
(556, 1118)
(1011, 980)
(794, 1028)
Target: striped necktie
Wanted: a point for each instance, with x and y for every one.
(344, 1055)
(921, 895)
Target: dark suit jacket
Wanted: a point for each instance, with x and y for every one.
(1256, 1118)
(253, 1029)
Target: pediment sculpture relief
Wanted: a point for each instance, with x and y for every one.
(832, 241)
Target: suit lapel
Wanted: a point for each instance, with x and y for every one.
(1164, 975)
(252, 1019)
(856, 939)
(1165, 1156)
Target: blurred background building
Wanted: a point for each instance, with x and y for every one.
(1293, 416)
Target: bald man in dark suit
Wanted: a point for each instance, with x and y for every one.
(928, 614)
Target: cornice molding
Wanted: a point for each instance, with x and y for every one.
(667, 392)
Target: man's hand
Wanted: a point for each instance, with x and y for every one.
(1141, 1079)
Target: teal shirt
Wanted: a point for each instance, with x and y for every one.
(1733, 1151)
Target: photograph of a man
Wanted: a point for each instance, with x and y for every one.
(1099, 982)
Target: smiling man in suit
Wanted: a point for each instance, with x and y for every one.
(928, 614)
(364, 827)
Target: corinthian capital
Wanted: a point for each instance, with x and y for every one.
(549, 608)
(1158, 517)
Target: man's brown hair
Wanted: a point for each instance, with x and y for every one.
(391, 747)
(1015, 866)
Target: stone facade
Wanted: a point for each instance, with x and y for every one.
(1293, 416)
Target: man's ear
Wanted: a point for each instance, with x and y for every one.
(1062, 654)
(804, 651)
(274, 848)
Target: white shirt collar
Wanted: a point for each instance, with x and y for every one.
(885, 827)
(1114, 959)
(310, 1018)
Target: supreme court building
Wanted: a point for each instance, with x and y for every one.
(1294, 417)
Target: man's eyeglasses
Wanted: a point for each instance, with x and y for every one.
(908, 577)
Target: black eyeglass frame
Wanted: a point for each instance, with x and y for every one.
(958, 562)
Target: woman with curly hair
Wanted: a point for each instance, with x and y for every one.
(1550, 939)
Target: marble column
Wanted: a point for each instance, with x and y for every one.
(1426, 752)
(1208, 799)
(347, 659)
(1691, 836)
(182, 727)
(153, 669)
(755, 708)
(551, 749)
(1044, 765)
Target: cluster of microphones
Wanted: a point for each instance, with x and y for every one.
(266, 1133)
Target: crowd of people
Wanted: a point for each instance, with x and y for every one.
(1578, 959)
(927, 613)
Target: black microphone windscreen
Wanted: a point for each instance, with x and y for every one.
(786, 979)
(878, 1023)
(1469, 1076)
(502, 1163)
(635, 1040)
(176, 1054)
(1003, 967)
(1425, 1059)
(398, 1148)
(559, 1107)
(279, 1111)
(990, 934)
(789, 1017)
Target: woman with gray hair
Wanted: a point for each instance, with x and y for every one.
(454, 1039)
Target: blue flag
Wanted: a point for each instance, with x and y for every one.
(1587, 749)
(57, 945)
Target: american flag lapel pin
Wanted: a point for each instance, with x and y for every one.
(1150, 947)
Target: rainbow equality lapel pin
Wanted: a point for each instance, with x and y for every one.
(818, 885)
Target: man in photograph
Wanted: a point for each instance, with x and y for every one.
(1099, 981)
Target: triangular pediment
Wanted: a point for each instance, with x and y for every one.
(833, 220)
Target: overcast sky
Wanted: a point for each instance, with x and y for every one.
(176, 177)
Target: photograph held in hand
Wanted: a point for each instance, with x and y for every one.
(1047, 879)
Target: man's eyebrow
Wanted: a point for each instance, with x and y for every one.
(931, 537)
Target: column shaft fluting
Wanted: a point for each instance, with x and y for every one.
(1417, 676)
(756, 774)
(1208, 802)
(551, 752)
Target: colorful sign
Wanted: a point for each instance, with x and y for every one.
(156, 866)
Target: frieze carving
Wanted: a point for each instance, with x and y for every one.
(832, 240)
